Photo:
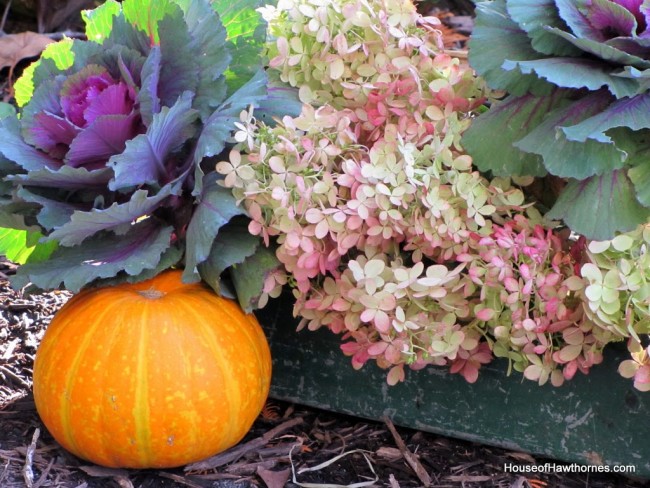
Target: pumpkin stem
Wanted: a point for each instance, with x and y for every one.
(151, 293)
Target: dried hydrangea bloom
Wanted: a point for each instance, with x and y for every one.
(387, 233)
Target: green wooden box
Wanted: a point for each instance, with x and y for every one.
(594, 419)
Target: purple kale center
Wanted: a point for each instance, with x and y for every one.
(98, 115)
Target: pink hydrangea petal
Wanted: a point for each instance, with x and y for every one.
(642, 374)
(395, 375)
(470, 373)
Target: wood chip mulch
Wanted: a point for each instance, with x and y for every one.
(289, 445)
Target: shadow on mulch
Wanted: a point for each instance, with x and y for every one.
(284, 436)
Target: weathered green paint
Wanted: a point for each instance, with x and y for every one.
(597, 419)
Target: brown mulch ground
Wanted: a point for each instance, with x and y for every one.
(284, 436)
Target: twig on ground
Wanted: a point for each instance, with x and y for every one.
(467, 478)
(28, 472)
(249, 469)
(275, 431)
(8, 372)
(120, 476)
(329, 462)
(5, 470)
(393, 482)
(5, 14)
(124, 482)
(178, 479)
(43, 477)
(236, 452)
(410, 458)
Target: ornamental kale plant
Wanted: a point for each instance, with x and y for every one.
(576, 75)
(108, 158)
(387, 233)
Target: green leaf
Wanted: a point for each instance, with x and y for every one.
(210, 52)
(61, 53)
(7, 110)
(495, 39)
(632, 72)
(99, 21)
(232, 246)
(246, 33)
(17, 214)
(248, 277)
(45, 98)
(14, 148)
(491, 138)
(124, 34)
(241, 19)
(281, 100)
(117, 218)
(571, 11)
(55, 59)
(577, 73)
(24, 86)
(602, 50)
(52, 212)
(640, 177)
(145, 15)
(41, 251)
(169, 259)
(533, 16)
(222, 122)
(65, 177)
(632, 113)
(7, 166)
(246, 59)
(179, 70)
(215, 207)
(570, 159)
(639, 174)
(192, 56)
(103, 256)
(600, 206)
(143, 160)
(148, 93)
(58, 52)
(21, 246)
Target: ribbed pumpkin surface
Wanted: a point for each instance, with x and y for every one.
(155, 374)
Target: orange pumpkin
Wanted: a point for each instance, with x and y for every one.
(155, 374)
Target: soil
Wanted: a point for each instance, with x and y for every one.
(285, 437)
